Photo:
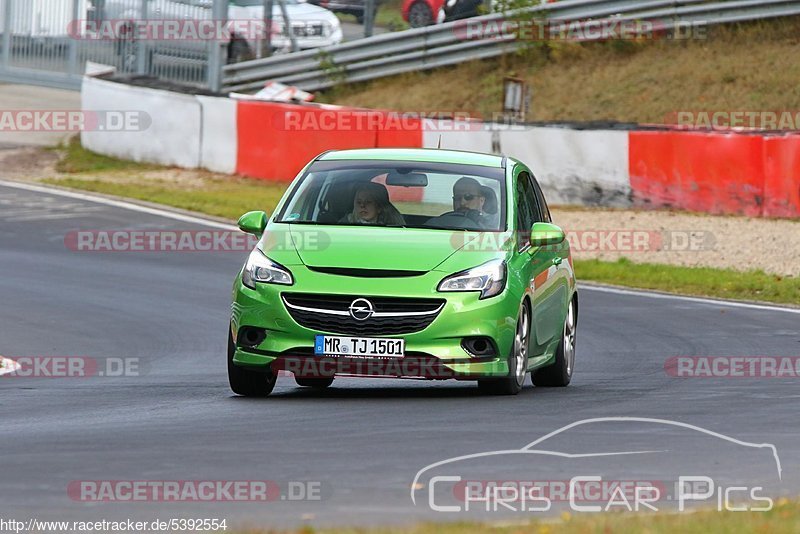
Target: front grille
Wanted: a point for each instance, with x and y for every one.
(309, 30)
(330, 313)
(367, 273)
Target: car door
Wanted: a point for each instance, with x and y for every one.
(560, 274)
(523, 267)
(547, 291)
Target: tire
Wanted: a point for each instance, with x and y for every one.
(316, 383)
(517, 360)
(239, 51)
(559, 374)
(420, 15)
(246, 382)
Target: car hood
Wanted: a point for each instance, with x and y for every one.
(355, 247)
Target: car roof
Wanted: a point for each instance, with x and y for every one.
(428, 155)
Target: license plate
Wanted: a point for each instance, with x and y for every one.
(359, 346)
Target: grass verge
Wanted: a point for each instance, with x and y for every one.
(230, 197)
(782, 519)
(699, 281)
(737, 67)
(203, 192)
(76, 159)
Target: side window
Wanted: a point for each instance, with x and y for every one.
(526, 209)
(541, 201)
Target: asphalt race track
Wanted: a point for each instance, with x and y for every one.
(361, 442)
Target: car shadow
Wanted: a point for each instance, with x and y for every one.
(383, 391)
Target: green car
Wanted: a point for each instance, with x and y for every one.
(421, 263)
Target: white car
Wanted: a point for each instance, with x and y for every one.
(312, 26)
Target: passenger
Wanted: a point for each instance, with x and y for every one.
(371, 205)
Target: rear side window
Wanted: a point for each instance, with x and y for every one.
(527, 211)
(545, 211)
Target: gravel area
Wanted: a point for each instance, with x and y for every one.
(677, 238)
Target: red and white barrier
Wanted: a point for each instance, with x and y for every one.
(714, 172)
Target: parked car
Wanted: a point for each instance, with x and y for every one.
(348, 7)
(310, 25)
(420, 13)
(422, 263)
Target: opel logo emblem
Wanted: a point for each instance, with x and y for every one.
(361, 309)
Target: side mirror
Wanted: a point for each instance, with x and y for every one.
(253, 222)
(544, 234)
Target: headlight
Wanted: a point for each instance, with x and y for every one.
(259, 268)
(489, 279)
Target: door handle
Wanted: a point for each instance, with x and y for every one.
(557, 260)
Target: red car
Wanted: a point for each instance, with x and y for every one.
(420, 13)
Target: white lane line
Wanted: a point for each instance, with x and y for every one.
(48, 216)
(199, 220)
(7, 366)
(120, 204)
(699, 300)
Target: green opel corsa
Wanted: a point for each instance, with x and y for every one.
(420, 263)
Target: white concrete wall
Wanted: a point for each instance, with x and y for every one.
(172, 136)
(587, 167)
(182, 130)
(219, 138)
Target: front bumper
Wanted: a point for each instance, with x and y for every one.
(307, 43)
(434, 352)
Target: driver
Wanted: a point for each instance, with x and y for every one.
(470, 200)
(468, 195)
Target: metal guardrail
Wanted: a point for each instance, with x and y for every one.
(441, 45)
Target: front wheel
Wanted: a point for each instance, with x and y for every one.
(517, 361)
(238, 51)
(559, 374)
(420, 15)
(246, 382)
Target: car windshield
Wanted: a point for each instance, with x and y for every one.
(399, 194)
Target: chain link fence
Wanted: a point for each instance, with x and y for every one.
(50, 42)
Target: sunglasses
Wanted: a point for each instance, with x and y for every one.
(468, 197)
